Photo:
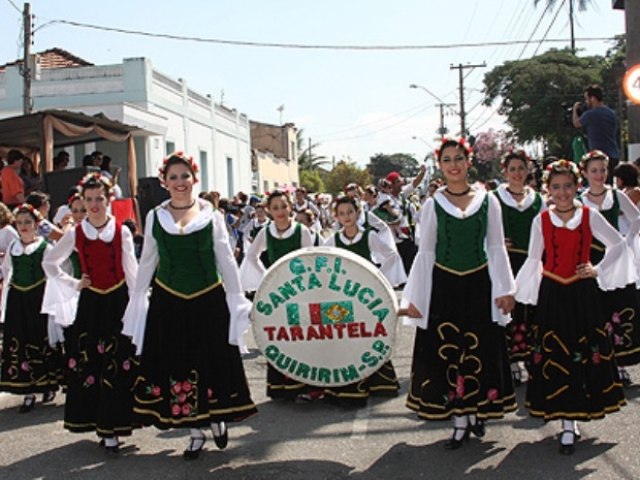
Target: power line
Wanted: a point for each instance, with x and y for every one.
(244, 43)
(14, 6)
(550, 25)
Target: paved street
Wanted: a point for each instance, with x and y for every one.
(321, 441)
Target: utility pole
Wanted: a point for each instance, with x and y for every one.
(460, 67)
(310, 166)
(26, 69)
(571, 29)
(443, 130)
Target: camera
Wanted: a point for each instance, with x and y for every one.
(567, 112)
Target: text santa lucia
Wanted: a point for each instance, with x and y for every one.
(303, 282)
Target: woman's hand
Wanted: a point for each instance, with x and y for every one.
(586, 270)
(412, 311)
(85, 281)
(506, 303)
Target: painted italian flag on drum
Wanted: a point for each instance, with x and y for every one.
(323, 313)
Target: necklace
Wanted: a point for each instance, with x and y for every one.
(515, 193)
(597, 194)
(282, 230)
(101, 226)
(460, 194)
(566, 211)
(349, 237)
(187, 207)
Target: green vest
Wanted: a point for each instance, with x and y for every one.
(27, 269)
(255, 230)
(361, 247)
(517, 224)
(187, 265)
(75, 265)
(613, 216)
(279, 247)
(460, 241)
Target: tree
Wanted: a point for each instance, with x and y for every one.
(532, 93)
(306, 161)
(343, 174)
(582, 6)
(381, 164)
(311, 180)
(488, 150)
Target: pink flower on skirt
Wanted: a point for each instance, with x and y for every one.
(186, 409)
(155, 391)
(518, 337)
(452, 395)
(176, 410)
(177, 387)
(209, 393)
(182, 397)
(515, 349)
(615, 318)
(24, 366)
(72, 363)
(617, 340)
(608, 327)
(126, 365)
(492, 394)
(90, 380)
(100, 348)
(595, 358)
(186, 386)
(460, 386)
(537, 357)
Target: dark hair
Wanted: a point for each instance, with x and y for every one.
(278, 193)
(37, 199)
(131, 225)
(627, 173)
(177, 159)
(243, 197)
(106, 163)
(309, 214)
(96, 154)
(452, 143)
(561, 167)
(93, 181)
(344, 200)
(594, 91)
(517, 155)
(87, 161)
(371, 190)
(13, 156)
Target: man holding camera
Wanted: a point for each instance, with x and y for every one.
(600, 124)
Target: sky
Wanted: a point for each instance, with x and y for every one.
(352, 103)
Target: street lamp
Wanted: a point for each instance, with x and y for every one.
(443, 129)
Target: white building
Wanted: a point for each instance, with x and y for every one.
(135, 93)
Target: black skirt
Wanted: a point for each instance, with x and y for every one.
(190, 376)
(519, 329)
(383, 382)
(460, 362)
(28, 363)
(572, 368)
(100, 366)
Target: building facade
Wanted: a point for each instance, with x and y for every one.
(175, 117)
(274, 156)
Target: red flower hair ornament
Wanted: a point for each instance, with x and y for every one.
(460, 142)
(162, 171)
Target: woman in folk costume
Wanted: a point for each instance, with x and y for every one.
(622, 306)
(99, 359)
(31, 360)
(573, 374)
(459, 293)
(283, 235)
(364, 241)
(191, 374)
(519, 205)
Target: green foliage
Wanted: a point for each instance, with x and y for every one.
(532, 92)
(381, 164)
(306, 161)
(311, 180)
(344, 173)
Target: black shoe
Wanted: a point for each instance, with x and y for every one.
(221, 440)
(478, 429)
(453, 443)
(28, 404)
(48, 397)
(191, 453)
(568, 448)
(112, 451)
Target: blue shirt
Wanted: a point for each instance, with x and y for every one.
(601, 127)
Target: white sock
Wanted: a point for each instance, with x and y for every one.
(197, 439)
(218, 429)
(568, 432)
(111, 442)
(29, 399)
(472, 419)
(460, 424)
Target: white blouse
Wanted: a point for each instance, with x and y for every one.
(252, 270)
(62, 291)
(135, 316)
(418, 288)
(522, 205)
(616, 269)
(384, 248)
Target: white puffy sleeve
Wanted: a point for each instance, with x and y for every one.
(632, 215)
(239, 306)
(54, 329)
(418, 288)
(530, 275)
(502, 282)
(616, 270)
(129, 262)
(135, 316)
(252, 270)
(7, 272)
(387, 256)
(61, 292)
(330, 241)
